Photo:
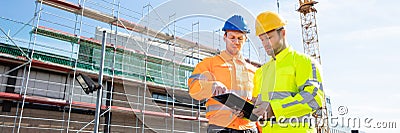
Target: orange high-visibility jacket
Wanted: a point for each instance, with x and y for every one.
(236, 74)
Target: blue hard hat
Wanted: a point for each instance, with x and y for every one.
(236, 22)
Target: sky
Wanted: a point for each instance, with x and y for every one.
(357, 38)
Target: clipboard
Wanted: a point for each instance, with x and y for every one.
(233, 101)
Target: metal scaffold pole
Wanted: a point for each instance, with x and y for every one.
(169, 50)
(110, 90)
(145, 66)
(173, 91)
(100, 90)
(78, 32)
(25, 88)
(198, 56)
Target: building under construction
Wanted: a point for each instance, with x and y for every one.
(145, 71)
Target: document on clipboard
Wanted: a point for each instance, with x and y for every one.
(233, 101)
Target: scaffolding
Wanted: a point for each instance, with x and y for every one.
(145, 71)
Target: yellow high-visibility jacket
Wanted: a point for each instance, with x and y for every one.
(293, 85)
(236, 74)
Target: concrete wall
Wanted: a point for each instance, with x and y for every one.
(3, 78)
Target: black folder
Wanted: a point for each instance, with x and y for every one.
(233, 101)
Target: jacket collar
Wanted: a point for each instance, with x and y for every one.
(228, 57)
(283, 53)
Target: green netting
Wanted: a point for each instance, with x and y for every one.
(55, 35)
(39, 55)
(8, 49)
(128, 64)
(43, 57)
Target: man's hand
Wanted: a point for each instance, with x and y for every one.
(218, 88)
(238, 113)
(261, 107)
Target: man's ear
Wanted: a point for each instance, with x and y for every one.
(283, 31)
(224, 38)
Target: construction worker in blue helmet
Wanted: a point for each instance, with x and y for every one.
(223, 73)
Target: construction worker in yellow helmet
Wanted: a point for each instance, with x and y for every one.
(288, 88)
(225, 72)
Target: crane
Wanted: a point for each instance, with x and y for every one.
(311, 48)
(309, 28)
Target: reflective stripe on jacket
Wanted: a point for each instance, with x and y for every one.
(292, 84)
(236, 74)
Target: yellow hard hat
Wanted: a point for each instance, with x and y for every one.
(267, 21)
